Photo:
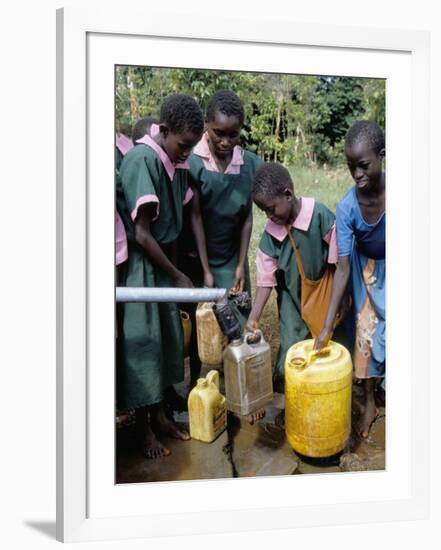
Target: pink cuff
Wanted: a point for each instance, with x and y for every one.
(123, 143)
(145, 199)
(266, 268)
(188, 196)
(331, 239)
(121, 254)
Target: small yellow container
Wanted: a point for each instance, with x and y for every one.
(318, 387)
(211, 341)
(187, 328)
(207, 409)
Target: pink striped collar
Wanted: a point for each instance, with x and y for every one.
(302, 221)
(169, 166)
(203, 150)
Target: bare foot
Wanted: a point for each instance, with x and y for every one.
(153, 448)
(164, 425)
(367, 418)
(255, 416)
(280, 420)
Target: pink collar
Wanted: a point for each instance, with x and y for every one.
(302, 221)
(169, 166)
(203, 150)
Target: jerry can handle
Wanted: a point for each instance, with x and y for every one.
(253, 337)
(213, 376)
(316, 354)
(300, 362)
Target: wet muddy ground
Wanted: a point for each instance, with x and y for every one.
(246, 451)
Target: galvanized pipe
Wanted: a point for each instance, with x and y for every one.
(179, 295)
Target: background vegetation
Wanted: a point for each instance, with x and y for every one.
(289, 118)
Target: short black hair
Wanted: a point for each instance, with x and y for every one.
(368, 132)
(180, 112)
(142, 127)
(271, 180)
(227, 103)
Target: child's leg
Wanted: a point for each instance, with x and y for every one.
(292, 330)
(152, 448)
(191, 266)
(370, 412)
(195, 362)
(172, 343)
(162, 424)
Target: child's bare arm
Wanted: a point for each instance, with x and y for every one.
(340, 283)
(152, 249)
(245, 236)
(262, 295)
(199, 235)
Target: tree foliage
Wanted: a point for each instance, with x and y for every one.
(289, 118)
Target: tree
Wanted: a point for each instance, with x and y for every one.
(289, 118)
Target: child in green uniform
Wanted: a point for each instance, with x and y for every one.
(152, 187)
(142, 127)
(224, 173)
(311, 225)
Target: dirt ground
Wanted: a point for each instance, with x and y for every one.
(247, 451)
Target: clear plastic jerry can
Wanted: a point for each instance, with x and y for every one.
(248, 376)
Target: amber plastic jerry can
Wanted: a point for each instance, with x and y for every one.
(207, 409)
(318, 387)
(186, 328)
(211, 341)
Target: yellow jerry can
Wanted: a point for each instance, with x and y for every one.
(186, 327)
(211, 341)
(207, 409)
(318, 387)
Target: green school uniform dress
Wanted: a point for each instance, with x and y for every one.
(225, 204)
(151, 333)
(313, 224)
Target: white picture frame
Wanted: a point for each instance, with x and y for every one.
(89, 506)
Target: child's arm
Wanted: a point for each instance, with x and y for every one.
(199, 235)
(262, 295)
(152, 249)
(266, 267)
(339, 285)
(245, 236)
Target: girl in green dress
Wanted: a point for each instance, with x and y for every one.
(152, 187)
(311, 224)
(223, 173)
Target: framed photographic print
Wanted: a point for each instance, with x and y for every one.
(115, 68)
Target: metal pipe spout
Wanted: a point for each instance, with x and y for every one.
(178, 295)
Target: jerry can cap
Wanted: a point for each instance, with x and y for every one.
(253, 337)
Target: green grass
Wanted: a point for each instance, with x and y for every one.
(325, 185)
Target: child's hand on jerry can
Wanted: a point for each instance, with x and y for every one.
(239, 281)
(322, 339)
(252, 326)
